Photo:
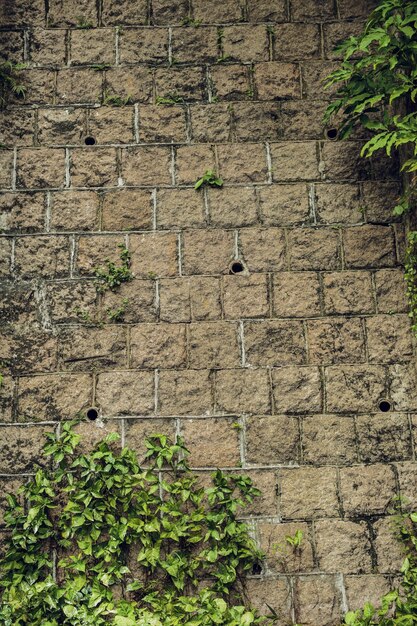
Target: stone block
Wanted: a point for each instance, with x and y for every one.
(154, 254)
(143, 45)
(336, 341)
(192, 162)
(267, 502)
(61, 126)
(263, 249)
(213, 12)
(343, 546)
(5, 256)
(313, 11)
(79, 86)
(338, 204)
(341, 161)
(349, 9)
(17, 127)
(319, 600)
(21, 448)
(280, 555)
(389, 551)
(296, 42)
(293, 161)
(28, 348)
(243, 391)
(274, 343)
(22, 212)
(366, 588)
(146, 166)
(296, 294)
(407, 478)
(7, 394)
(277, 81)
(283, 205)
(369, 246)
(72, 301)
(132, 84)
(6, 172)
(230, 82)
(53, 397)
(74, 210)
(135, 302)
(125, 393)
(40, 168)
(158, 345)
(39, 85)
(93, 432)
(213, 345)
(246, 44)
(93, 167)
(125, 12)
(379, 199)
(169, 12)
(42, 256)
(245, 296)
(195, 45)
(383, 438)
(92, 349)
(337, 32)
(185, 299)
(94, 252)
(162, 124)
(89, 47)
(390, 291)
(243, 163)
(11, 44)
(186, 392)
(367, 489)
(267, 593)
(403, 381)
(348, 293)
(297, 389)
(272, 439)
(111, 124)
(302, 120)
(308, 493)
(314, 249)
(127, 209)
(47, 47)
(207, 251)
(313, 74)
(389, 339)
(18, 303)
(329, 440)
(185, 84)
(355, 388)
(211, 122)
(72, 13)
(232, 207)
(256, 121)
(137, 430)
(268, 11)
(213, 442)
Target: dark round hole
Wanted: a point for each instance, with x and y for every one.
(237, 267)
(332, 133)
(92, 414)
(256, 569)
(89, 141)
(384, 406)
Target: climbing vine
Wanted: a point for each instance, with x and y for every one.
(103, 540)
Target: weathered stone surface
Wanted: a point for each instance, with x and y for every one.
(182, 208)
(243, 163)
(340, 341)
(211, 12)
(280, 556)
(21, 448)
(301, 120)
(185, 299)
(47, 47)
(367, 489)
(248, 44)
(283, 205)
(319, 600)
(230, 82)
(111, 125)
(125, 12)
(93, 167)
(355, 388)
(192, 162)
(195, 45)
(146, 166)
(271, 592)
(89, 47)
(242, 391)
(232, 207)
(169, 11)
(297, 389)
(294, 42)
(341, 161)
(39, 87)
(23, 212)
(42, 255)
(133, 302)
(40, 167)
(185, 392)
(348, 293)
(17, 128)
(131, 84)
(337, 32)
(389, 551)
(274, 343)
(89, 349)
(268, 11)
(125, 393)
(28, 348)
(273, 439)
(61, 126)
(186, 84)
(296, 294)
(74, 210)
(162, 124)
(213, 345)
(383, 438)
(329, 440)
(72, 301)
(308, 493)
(11, 44)
(212, 442)
(245, 296)
(211, 122)
(154, 254)
(79, 86)
(158, 345)
(389, 339)
(369, 246)
(407, 477)
(293, 161)
(276, 81)
(314, 249)
(366, 588)
(390, 291)
(343, 546)
(256, 121)
(70, 13)
(53, 397)
(7, 391)
(263, 249)
(94, 252)
(403, 379)
(127, 209)
(207, 251)
(338, 204)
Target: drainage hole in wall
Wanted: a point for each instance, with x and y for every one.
(332, 133)
(237, 267)
(89, 141)
(92, 414)
(256, 569)
(384, 406)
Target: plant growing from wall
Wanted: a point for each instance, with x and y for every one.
(105, 541)
(113, 275)
(10, 83)
(377, 85)
(210, 179)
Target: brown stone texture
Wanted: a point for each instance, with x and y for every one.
(266, 320)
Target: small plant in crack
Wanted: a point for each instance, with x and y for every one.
(169, 99)
(114, 100)
(83, 23)
(112, 276)
(210, 179)
(189, 21)
(117, 314)
(10, 83)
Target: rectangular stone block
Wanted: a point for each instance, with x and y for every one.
(89, 47)
(22, 212)
(231, 207)
(313, 75)
(280, 555)
(245, 163)
(79, 86)
(72, 301)
(130, 84)
(125, 393)
(124, 12)
(179, 208)
(43, 255)
(29, 348)
(184, 299)
(268, 11)
(230, 82)
(21, 448)
(272, 342)
(272, 439)
(367, 588)
(162, 124)
(211, 122)
(343, 546)
(137, 430)
(40, 168)
(389, 551)
(11, 44)
(336, 341)
(92, 349)
(53, 397)
(296, 42)
(383, 438)
(341, 161)
(256, 121)
(313, 11)
(296, 294)
(389, 339)
(247, 44)
(170, 12)
(72, 13)
(47, 47)
(390, 291)
(369, 246)
(283, 205)
(212, 441)
(367, 489)
(271, 592)
(207, 251)
(94, 252)
(154, 255)
(314, 249)
(39, 87)
(293, 161)
(319, 600)
(93, 167)
(127, 209)
(158, 345)
(7, 393)
(379, 200)
(355, 388)
(60, 127)
(191, 163)
(264, 250)
(146, 166)
(195, 45)
(187, 392)
(245, 296)
(308, 493)
(183, 84)
(213, 12)
(143, 45)
(301, 120)
(297, 389)
(243, 391)
(132, 303)
(337, 32)
(348, 293)
(277, 81)
(111, 124)
(338, 204)
(17, 127)
(213, 345)
(74, 210)
(329, 440)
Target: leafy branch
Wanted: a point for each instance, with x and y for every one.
(111, 277)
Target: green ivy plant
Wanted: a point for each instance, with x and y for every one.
(10, 82)
(102, 540)
(113, 275)
(209, 178)
(377, 85)
(410, 276)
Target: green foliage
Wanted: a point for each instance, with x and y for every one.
(114, 100)
(296, 539)
(116, 315)
(134, 546)
(209, 178)
(410, 276)
(112, 276)
(169, 99)
(9, 82)
(83, 23)
(377, 83)
(189, 21)
(398, 607)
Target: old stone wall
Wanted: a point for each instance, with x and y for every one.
(280, 369)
